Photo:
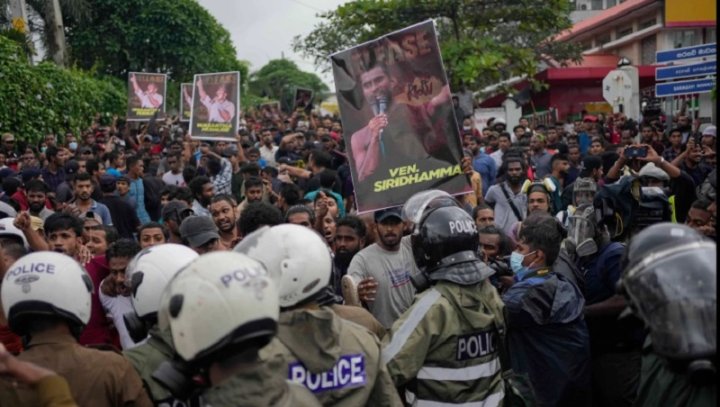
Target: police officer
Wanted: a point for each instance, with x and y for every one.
(148, 274)
(445, 347)
(338, 360)
(221, 309)
(670, 281)
(46, 299)
(614, 344)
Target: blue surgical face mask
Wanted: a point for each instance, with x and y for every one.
(72, 145)
(516, 260)
(43, 148)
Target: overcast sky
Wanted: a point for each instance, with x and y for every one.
(263, 29)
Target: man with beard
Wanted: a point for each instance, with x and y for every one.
(173, 213)
(647, 136)
(36, 191)
(506, 198)
(224, 214)
(83, 190)
(135, 172)
(114, 292)
(124, 217)
(559, 165)
(484, 165)
(64, 234)
(350, 235)
(268, 147)
(683, 124)
(406, 132)
(540, 157)
(382, 270)
(254, 191)
(203, 191)
(54, 173)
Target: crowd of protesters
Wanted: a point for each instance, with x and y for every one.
(554, 206)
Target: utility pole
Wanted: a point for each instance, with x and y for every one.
(57, 48)
(17, 10)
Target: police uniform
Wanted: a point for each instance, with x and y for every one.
(360, 316)
(51, 391)
(338, 360)
(96, 378)
(662, 386)
(445, 348)
(146, 359)
(258, 386)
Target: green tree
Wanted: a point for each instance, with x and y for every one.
(40, 99)
(177, 37)
(279, 77)
(482, 41)
(42, 16)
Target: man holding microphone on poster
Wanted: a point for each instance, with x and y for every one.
(415, 131)
(220, 110)
(149, 99)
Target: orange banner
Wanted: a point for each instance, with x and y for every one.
(679, 13)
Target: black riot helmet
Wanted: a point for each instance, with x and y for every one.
(445, 235)
(670, 281)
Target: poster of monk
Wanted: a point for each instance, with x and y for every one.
(216, 99)
(146, 95)
(397, 113)
(186, 92)
(270, 110)
(303, 98)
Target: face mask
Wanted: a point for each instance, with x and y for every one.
(467, 128)
(516, 260)
(73, 145)
(42, 149)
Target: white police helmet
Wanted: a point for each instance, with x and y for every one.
(8, 229)
(219, 301)
(295, 254)
(46, 283)
(150, 271)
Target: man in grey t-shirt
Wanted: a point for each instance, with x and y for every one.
(382, 270)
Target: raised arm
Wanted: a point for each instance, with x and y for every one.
(200, 88)
(136, 87)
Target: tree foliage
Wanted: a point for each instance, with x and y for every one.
(482, 41)
(278, 79)
(177, 37)
(44, 98)
(279, 74)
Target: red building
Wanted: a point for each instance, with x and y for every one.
(634, 29)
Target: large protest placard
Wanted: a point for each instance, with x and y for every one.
(397, 114)
(146, 95)
(186, 92)
(216, 98)
(270, 110)
(303, 98)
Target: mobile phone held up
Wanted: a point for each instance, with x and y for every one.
(636, 152)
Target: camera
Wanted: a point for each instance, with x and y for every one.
(635, 152)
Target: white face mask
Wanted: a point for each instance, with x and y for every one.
(467, 128)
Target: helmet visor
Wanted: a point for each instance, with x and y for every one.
(674, 292)
(414, 208)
